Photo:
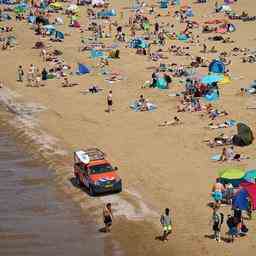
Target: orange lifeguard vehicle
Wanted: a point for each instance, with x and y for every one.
(92, 170)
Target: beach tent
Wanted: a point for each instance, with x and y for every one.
(49, 29)
(138, 43)
(244, 136)
(232, 175)
(106, 14)
(32, 19)
(217, 66)
(164, 4)
(73, 8)
(161, 83)
(59, 35)
(96, 54)
(231, 27)
(82, 69)
(182, 37)
(251, 190)
(250, 176)
(240, 199)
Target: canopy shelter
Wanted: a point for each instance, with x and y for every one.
(244, 136)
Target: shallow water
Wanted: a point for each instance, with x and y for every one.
(35, 218)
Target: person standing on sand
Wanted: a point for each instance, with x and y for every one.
(109, 101)
(166, 222)
(20, 74)
(217, 221)
(107, 216)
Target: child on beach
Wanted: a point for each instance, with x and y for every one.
(107, 216)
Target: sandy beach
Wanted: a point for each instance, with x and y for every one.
(160, 166)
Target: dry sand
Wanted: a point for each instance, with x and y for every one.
(160, 167)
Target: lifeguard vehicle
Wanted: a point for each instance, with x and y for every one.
(92, 170)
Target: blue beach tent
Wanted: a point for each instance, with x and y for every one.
(82, 69)
(217, 66)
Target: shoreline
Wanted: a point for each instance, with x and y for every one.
(24, 135)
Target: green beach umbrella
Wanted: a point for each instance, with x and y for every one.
(233, 175)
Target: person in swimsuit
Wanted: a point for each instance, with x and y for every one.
(107, 216)
(109, 101)
(166, 222)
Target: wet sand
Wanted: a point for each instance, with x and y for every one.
(35, 218)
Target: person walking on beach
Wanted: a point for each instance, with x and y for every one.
(109, 101)
(166, 222)
(20, 74)
(217, 221)
(107, 217)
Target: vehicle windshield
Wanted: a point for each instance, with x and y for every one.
(101, 168)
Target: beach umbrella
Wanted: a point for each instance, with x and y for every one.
(209, 79)
(232, 175)
(250, 176)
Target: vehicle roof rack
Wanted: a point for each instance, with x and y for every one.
(95, 154)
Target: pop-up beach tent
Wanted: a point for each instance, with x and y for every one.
(138, 43)
(244, 136)
(217, 66)
(82, 69)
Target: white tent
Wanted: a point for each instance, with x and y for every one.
(97, 2)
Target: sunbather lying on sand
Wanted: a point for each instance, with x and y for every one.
(216, 113)
(220, 140)
(175, 121)
(67, 83)
(226, 124)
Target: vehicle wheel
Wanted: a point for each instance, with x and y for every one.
(78, 183)
(91, 191)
